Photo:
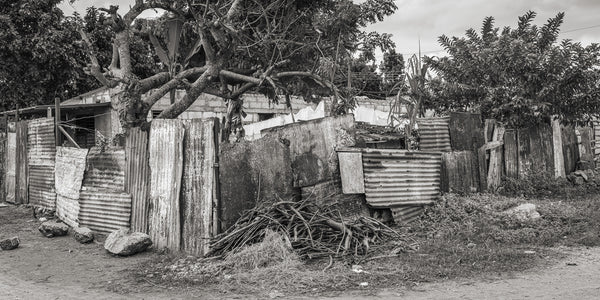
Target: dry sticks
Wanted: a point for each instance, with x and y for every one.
(312, 231)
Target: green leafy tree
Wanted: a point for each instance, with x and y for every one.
(278, 48)
(392, 70)
(39, 59)
(520, 76)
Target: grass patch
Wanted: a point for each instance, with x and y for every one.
(458, 237)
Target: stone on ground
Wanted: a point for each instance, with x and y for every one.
(53, 228)
(524, 212)
(83, 235)
(123, 242)
(9, 244)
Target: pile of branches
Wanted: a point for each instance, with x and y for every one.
(312, 231)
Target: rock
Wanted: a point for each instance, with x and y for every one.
(575, 180)
(53, 228)
(524, 212)
(83, 235)
(9, 244)
(581, 174)
(123, 242)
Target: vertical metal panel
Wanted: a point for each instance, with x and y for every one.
(459, 172)
(166, 166)
(11, 156)
(3, 145)
(570, 148)
(103, 204)
(137, 177)
(199, 152)
(400, 177)
(41, 186)
(511, 155)
(596, 144)
(69, 170)
(434, 134)
(41, 142)
(21, 175)
(41, 154)
(351, 172)
(466, 131)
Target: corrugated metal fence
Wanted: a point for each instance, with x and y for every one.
(41, 156)
(137, 180)
(399, 177)
(70, 168)
(434, 134)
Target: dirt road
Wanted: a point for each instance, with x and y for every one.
(61, 268)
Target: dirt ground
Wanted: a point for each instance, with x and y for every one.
(61, 268)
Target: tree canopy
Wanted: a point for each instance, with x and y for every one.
(520, 76)
(227, 48)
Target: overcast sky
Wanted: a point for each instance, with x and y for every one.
(428, 19)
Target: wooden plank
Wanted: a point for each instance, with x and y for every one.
(482, 163)
(536, 154)
(21, 176)
(524, 153)
(488, 129)
(166, 167)
(547, 149)
(466, 131)
(570, 148)
(11, 157)
(557, 147)
(199, 152)
(585, 141)
(351, 172)
(458, 172)
(511, 157)
(494, 178)
(3, 142)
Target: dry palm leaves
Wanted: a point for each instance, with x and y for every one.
(312, 231)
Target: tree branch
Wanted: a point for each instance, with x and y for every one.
(192, 94)
(172, 84)
(95, 69)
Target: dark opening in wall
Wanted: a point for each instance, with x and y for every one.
(262, 117)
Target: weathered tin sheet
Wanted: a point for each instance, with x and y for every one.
(400, 177)
(459, 172)
(11, 156)
(41, 186)
(21, 176)
(197, 185)
(104, 211)
(406, 214)
(351, 172)
(166, 167)
(105, 169)
(69, 170)
(41, 142)
(3, 145)
(137, 177)
(312, 147)
(67, 210)
(434, 134)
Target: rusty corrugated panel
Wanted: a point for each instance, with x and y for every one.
(41, 142)
(104, 211)
(3, 145)
(406, 214)
(103, 204)
(69, 170)
(434, 134)
(67, 210)
(596, 127)
(105, 170)
(399, 177)
(197, 185)
(166, 167)
(11, 156)
(41, 186)
(137, 177)
(21, 196)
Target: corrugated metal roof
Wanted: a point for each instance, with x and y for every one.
(434, 134)
(399, 177)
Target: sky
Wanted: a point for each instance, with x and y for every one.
(426, 20)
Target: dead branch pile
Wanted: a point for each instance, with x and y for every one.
(312, 231)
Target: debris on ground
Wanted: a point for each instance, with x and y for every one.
(53, 228)
(312, 231)
(123, 242)
(83, 235)
(524, 212)
(9, 244)
(40, 212)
